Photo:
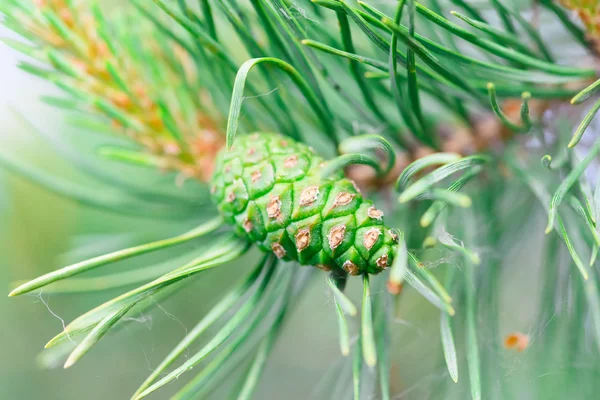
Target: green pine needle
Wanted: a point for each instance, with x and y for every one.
(99, 261)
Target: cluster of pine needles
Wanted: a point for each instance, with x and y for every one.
(447, 111)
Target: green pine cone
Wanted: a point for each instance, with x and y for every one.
(269, 187)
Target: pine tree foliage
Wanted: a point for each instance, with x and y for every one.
(444, 107)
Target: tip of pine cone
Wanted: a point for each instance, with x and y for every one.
(366, 178)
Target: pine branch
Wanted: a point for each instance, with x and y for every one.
(138, 89)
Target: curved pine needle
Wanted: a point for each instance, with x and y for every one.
(557, 162)
(423, 184)
(587, 120)
(340, 162)
(568, 182)
(241, 27)
(213, 46)
(449, 197)
(237, 97)
(119, 255)
(524, 113)
(372, 143)
(438, 206)
(525, 120)
(421, 164)
(586, 93)
(547, 161)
